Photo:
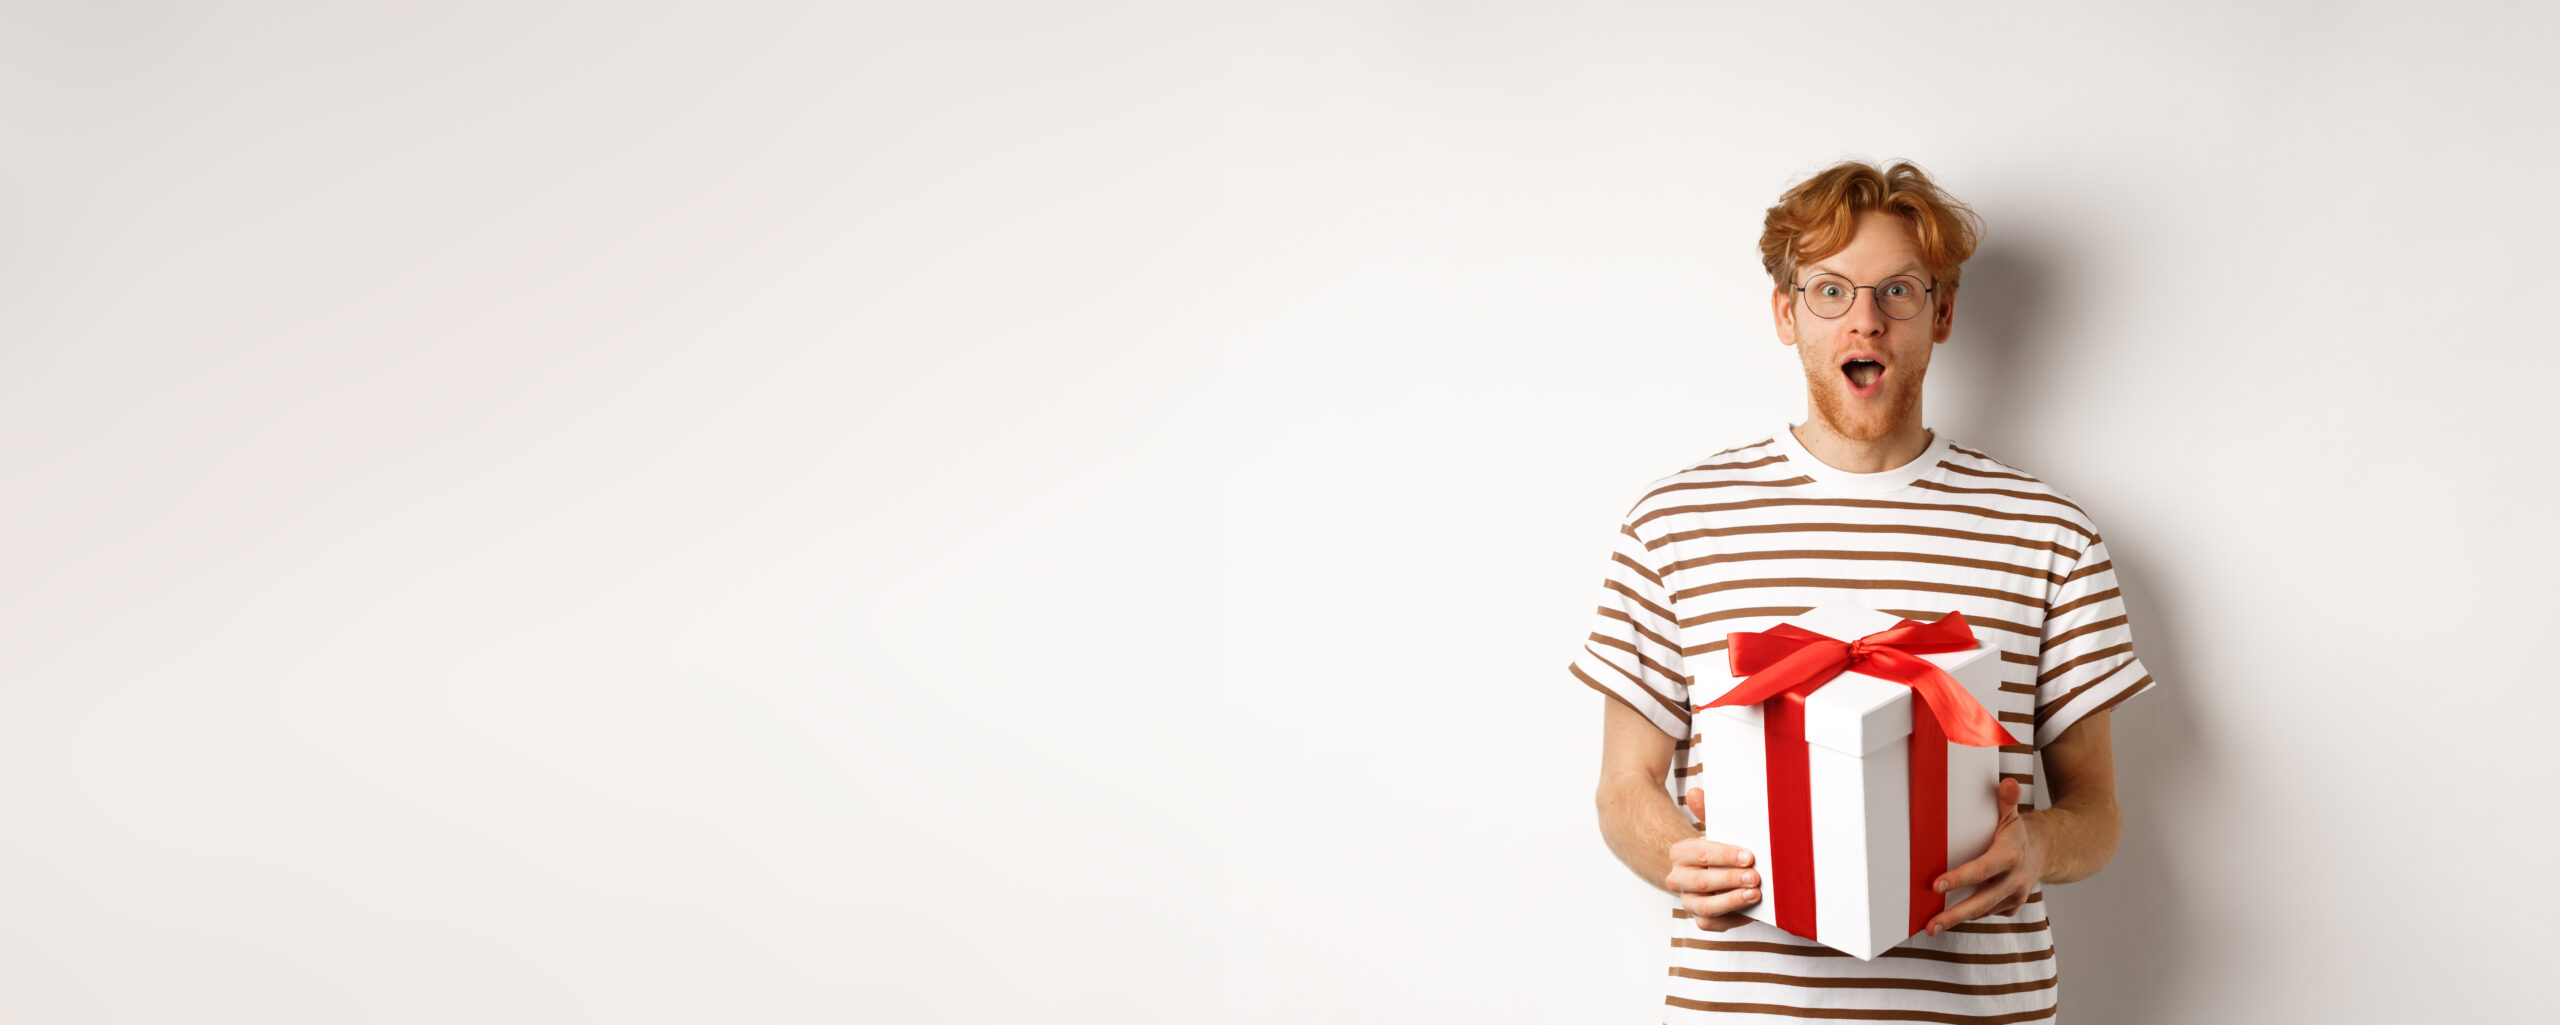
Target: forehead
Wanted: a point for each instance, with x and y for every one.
(1882, 244)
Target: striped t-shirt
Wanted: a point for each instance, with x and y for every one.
(1764, 531)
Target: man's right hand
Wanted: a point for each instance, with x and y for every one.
(1715, 881)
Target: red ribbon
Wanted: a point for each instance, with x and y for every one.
(1787, 662)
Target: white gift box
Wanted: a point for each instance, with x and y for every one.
(1858, 768)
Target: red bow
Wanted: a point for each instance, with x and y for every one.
(1788, 658)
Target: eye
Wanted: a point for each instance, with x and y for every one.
(1898, 289)
(1828, 289)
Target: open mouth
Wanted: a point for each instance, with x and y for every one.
(1862, 375)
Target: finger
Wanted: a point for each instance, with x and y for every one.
(1712, 880)
(1973, 907)
(1707, 853)
(1726, 903)
(2007, 797)
(2000, 858)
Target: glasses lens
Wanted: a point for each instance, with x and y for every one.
(1829, 295)
(1901, 296)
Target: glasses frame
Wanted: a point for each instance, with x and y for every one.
(1931, 290)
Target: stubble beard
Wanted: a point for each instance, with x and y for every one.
(1877, 421)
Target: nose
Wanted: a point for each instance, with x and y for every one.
(1866, 315)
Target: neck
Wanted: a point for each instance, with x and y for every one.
(1902, 444)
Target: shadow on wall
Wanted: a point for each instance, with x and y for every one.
(2000, 311)
(2123, 935)
(2119, 935)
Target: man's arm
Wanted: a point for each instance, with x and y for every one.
(2067, 842)
(1637, 817)
(2080, 831)
(1714, 881)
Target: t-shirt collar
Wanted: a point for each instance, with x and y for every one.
(1861, 483)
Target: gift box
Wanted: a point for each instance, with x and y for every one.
(1856, 756)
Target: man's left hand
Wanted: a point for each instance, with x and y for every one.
(2006, 873)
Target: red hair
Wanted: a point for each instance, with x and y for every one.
(1816, 217)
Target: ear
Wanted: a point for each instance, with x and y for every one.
(1942, 320)
(1782, 309)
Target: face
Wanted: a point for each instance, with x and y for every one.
(1874, 402)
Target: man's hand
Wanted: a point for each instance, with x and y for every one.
(1715, 881)
(2006, 873)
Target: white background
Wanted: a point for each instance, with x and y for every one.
(997, 512)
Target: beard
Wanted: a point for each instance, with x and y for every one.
(1864, 419)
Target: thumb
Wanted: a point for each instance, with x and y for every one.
(1697, 806)
(2009, 791)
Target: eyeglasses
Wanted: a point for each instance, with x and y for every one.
(1830, 295)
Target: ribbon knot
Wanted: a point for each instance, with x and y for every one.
(1789, 659)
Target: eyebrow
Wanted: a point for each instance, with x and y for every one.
(1908, 268)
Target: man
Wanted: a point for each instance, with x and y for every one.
(1862, 503)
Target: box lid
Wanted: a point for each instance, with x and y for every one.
(1856, 713)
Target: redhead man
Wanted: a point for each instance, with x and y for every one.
(1862, 502)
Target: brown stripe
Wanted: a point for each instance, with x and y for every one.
(2005, 492)
(1934, 615)
(2025, 779)
(2091, 569)
(1911, 953)
(2017, 688)
(1677, 709)
(2039, 925)
(1868, 982)
(1856, 1013)
(1868, 503)
(1977, 455)
(1780, 611)
(1703, 485)
(2083, 628)
(1756, 444)
(1923, 615)
(2056, 672)
(1843, 555)
(2022, 718)
(2077, 602)
(1762, 461)
(2019, 657)
(1859, 585)
(2138, 687)
(2030, 544)
(2017, 749)
(1970, 471)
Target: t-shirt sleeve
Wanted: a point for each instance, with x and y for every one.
(1633, 654)
(2088, 663)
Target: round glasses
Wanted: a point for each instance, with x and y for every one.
(1900, 296)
